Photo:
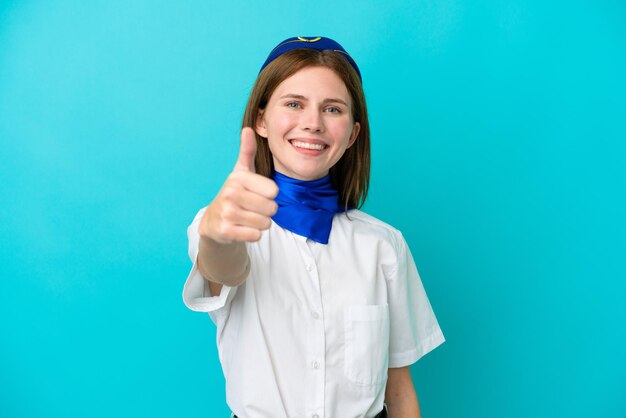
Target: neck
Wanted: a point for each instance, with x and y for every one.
(276, 172)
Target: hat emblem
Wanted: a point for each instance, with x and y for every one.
(303, 39)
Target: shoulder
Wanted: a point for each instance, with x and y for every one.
(364, 224)
(387, 243)
(361, 219)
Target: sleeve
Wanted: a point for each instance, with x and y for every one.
(196, 293)
(414, 328)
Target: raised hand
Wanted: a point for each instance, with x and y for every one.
(244, 206)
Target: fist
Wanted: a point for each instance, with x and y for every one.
(244, 206)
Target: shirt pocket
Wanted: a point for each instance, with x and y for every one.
(366, 344)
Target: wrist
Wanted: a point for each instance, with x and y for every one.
(227, 264)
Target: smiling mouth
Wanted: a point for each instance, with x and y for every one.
(307, 145)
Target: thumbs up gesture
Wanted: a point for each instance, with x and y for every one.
(244, 206)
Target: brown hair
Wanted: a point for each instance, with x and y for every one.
(351, 174)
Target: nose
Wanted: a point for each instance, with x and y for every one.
(312, 120)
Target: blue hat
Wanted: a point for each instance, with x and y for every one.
(318, 42)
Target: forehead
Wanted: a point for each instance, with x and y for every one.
(314, 81)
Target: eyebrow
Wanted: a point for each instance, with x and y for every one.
(301, 97)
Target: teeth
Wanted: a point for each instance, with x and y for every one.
(306, 145)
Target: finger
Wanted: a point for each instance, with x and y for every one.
(247, 151)
(254, 220)
(243, 234)
(254, 202)
(256, 183)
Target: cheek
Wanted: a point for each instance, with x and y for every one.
(342, 130)
(279, 124)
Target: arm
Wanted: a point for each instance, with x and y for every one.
(400, 395)
(227, 264)
(238, 214)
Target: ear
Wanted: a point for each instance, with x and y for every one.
(355, 133)
(260, 127)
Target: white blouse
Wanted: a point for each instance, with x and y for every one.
(314, 328)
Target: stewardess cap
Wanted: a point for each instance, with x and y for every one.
(317, 42)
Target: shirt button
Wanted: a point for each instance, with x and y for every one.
(309, 267)
(316, 364)
(315, 315)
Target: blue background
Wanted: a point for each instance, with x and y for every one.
(499, 149)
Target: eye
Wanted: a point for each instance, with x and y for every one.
(293, 105)
(333, 109)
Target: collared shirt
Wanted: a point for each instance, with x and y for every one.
(314, 328)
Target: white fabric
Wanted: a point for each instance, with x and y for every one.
(314, 328)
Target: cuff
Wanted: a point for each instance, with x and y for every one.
(197, 296)
(407, 358)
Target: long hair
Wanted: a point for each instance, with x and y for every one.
(351, 174)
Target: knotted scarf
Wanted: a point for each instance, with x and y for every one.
(306, 207)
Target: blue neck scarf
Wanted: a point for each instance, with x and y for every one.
(306, 207)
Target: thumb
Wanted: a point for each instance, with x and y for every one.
(247, 151)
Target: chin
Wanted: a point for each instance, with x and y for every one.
(303, 170)
(309, 175)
